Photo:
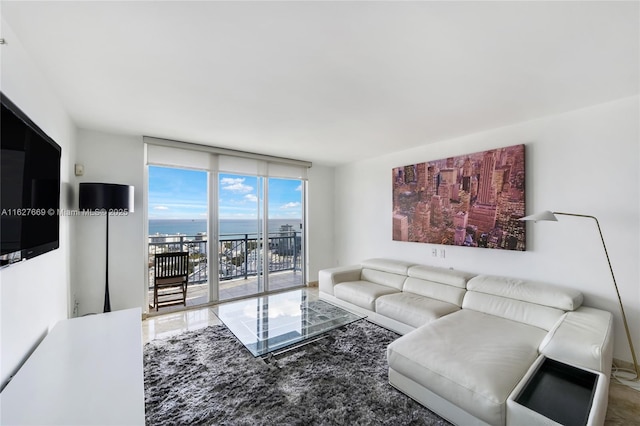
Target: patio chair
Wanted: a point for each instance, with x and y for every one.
(170, 282)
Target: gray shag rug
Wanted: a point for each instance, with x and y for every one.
(207, 377)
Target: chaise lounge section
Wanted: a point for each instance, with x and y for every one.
(472, 343)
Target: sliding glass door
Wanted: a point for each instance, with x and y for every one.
(240, 235)
(177, 222)
(260, 243)
(285, 218)
(249, 213)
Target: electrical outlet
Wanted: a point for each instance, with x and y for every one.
(442, 254)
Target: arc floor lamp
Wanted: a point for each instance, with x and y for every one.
(112, 199)
(551, 216)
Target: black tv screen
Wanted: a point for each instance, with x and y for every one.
(29, 187)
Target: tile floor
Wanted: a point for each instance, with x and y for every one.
(624, 406)
(624, 402)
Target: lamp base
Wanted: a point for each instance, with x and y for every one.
(107, 302)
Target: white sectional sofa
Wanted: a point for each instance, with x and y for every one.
(470, 343)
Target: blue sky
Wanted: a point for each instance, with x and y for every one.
(182, 194)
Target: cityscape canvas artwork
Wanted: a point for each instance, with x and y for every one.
(472, 200)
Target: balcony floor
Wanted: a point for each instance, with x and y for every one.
(198, 294)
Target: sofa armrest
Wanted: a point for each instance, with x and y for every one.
(328, 278)
(583, 338)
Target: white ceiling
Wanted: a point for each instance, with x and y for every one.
(328, 82)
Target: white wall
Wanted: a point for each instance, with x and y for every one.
(34, 294)
(586, 161)
(111, 159)
(320, 208)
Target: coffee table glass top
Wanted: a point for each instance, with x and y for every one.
(269, 323)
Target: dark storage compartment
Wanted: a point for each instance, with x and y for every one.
(560, 392)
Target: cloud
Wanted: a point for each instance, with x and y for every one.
(299, 188)
(291, 205)
(235, 185)
(161, 208)
(231, 181)
(251, 197)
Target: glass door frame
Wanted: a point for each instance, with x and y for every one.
(213, 237)
(211, 159)
(263, 268)
(148, 309)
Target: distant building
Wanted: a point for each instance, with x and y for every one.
(486, 190)
(400, 227)
(288, 242)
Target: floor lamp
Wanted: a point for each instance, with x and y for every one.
(112, 199)
(551, 216)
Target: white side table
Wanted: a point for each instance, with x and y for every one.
(555, 393)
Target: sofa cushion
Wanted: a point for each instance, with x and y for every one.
(434, 290)
(384, 278)
(440, 275)
(361, 293)
(539, 316)
(470, 358)
(398, 267)
(412, 309)
(527, 291)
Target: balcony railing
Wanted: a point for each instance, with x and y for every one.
(238, 254)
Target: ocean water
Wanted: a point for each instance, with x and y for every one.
(227, 226)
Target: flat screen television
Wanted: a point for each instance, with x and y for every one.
(29, 187)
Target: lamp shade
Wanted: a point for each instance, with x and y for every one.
(107, 196)
(545, 215)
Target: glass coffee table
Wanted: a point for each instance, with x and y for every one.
(270, 325)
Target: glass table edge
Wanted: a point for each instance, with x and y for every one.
(355, 317)
(309, 338)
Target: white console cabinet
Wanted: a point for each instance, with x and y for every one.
(86, 371)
